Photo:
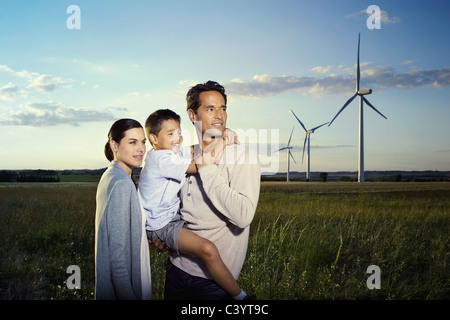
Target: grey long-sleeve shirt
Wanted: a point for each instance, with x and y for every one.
(219, 204)
(121, 267)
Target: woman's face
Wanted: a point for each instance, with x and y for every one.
(129, 152)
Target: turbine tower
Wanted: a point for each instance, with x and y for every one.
(362, 99)
(307, 137)
(289, 155)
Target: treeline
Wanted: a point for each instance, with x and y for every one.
(370, 176)
(41, 175)
(29, 176)
(93, 172)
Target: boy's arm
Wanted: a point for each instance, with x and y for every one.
(173, 166)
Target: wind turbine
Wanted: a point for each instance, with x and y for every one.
(362, 99)
(307, 137)
(289, 155)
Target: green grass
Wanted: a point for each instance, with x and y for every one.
(307, 241)
(320, 245)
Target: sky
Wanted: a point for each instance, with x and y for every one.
(66, 75)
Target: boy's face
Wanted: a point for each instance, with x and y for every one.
(169, 137)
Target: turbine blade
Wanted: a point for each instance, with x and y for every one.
(319, 126)
(281, 149)
(299, 120)
(292, 156)
(346, 104)
(289, 142)
(358, 74)
(304, 145)
(370, 105)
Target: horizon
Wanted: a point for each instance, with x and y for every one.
(262, 173)
(64, 79)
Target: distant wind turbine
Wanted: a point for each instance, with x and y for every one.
(289, 155)
(361, 94)
(308, 132)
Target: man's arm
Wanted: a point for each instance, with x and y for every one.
(237, 198)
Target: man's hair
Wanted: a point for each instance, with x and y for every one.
(192, 97)
(154, 121)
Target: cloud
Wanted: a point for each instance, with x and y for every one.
(320, 69)
(115, 108)
(384, 77)
(406, 62)
(386, 19)
(42, 83)
(263, 85)
(384, 16)
(377, 77)
(36, 82)
(22, 74)
(52, 114)
(5, 68)
(8, 92)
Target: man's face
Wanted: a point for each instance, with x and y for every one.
(211, 114)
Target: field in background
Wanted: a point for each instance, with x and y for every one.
(307, 241)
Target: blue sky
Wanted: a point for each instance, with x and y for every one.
(61, 89)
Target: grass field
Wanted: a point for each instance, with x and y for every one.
(307, 241)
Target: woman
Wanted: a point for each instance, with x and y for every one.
(122, 260)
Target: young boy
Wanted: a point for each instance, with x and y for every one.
(161, 179)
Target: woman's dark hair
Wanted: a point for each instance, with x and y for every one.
(192, 97)
(117, 132)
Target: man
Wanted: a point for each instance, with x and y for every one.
(218, 203)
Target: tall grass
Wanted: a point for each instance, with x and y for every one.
(319, 245)
(45, 228)
(307, 241)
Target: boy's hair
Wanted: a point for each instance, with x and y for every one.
(192, 97)
(155, 120)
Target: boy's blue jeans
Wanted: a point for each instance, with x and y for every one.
(182, 286)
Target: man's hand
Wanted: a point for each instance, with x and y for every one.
(230, 137)
(211, 154)
(159, 245)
